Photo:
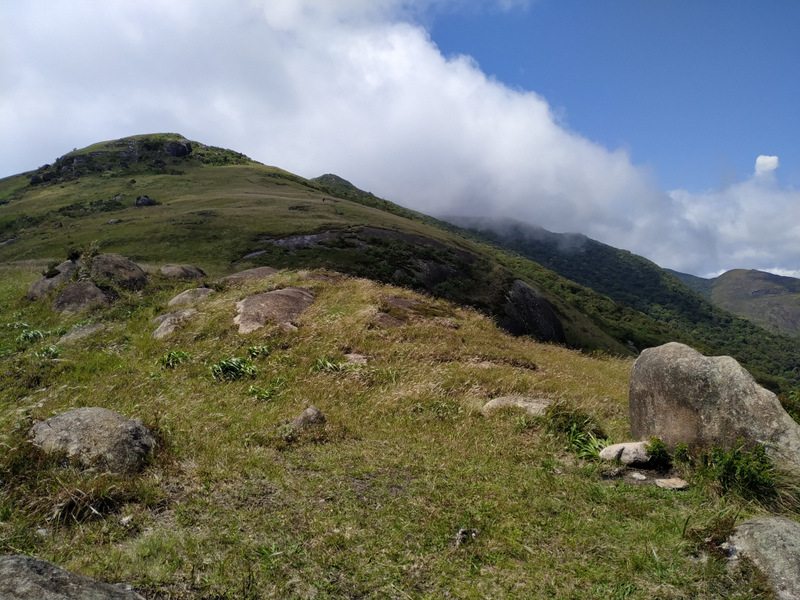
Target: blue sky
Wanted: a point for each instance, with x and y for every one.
(665, 128)
(694, 89)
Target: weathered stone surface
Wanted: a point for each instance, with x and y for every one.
(40, 287)
(535, 407)
(169, 323)
(118, 270)
(773, 544)
(29, 578)
(310, 416)
(77, 297)
(355, 359)
(257, 273)
(178, 148)
(628, 453)
(386, 320)
(281, 306)
(81, 331)
(527, 312)
(97, 436)
(673, 483)
(190, 296)
(144, 201)
(183, 271)
(681, 396)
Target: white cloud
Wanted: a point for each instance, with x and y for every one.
(766, 164)
(359, 89)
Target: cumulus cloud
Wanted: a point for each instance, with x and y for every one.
(358, 89)
(766, 164)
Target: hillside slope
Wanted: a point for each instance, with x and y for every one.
(771, 301)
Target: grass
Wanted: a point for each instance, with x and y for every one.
(369, 505)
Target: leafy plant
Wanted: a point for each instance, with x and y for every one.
(261, 351)
(31, 335)
(270, 391)
(232, 369)
(48, 352)
(328, 364)
(791, 403)
(584, 437)
(660, 457)
(173, 358)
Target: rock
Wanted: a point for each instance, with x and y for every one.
(171, 322)
(309, 417)
(144, 201)
(64, 273)
(535, 407)
(638, 476)
(386, 320)
(81, 331)
(773, 544)
(527, 312)
(281, 306)
(118, 270)
(190, 296)
(77, 297)
(257, 273)
(681, 396)
(29, 578)
(355, 359)
(628, 453)
(97, 436)
(672, 483)
(183, 271)
(178, 148)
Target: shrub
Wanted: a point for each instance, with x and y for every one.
(233, 368)
(659, 454)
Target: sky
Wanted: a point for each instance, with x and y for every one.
(667, 128)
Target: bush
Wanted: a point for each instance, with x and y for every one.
(747, 473)
(233, 368)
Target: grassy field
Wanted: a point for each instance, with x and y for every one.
(235, 505)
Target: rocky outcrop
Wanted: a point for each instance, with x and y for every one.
(527, 312)
(681, 396)
(117, 270)
(97, 437)
(280, 306)
(142, 201)
(773, 544)
(183, 272)
(60, 275)
(534, 407)
(29, 578)
(178, 148)
(190, 296)
(78, 297)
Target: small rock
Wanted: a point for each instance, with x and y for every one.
(144, 201)
(464, 536)
(628, 453)
(257, 273)
(95, 435)
(170, 322)
(309, 417)
(183, 272)
(638, 476)
(190, 296)
(81, 331)
(673, 483)
(355, 359)
(534, 407)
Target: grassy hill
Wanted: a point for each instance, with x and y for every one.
(234, 503)
(641, 284)
(771, 301)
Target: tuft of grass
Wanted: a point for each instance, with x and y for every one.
(261, 351)
(269, 392)
(582, 434)
(231, 369)
(173, 358)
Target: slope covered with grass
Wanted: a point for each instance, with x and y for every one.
(237, 505)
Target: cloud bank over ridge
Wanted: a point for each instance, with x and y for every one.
(360, 90)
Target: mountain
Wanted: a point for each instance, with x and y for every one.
(771, 301)
(406, 490)
(644, 286)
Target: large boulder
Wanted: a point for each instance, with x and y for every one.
(527, 312)
(61, 274)
(169, 323)
(681, 396)
(183, 271)
(117, 270)
(280, 306)
(178, 148)
(142, 201)
(773, 544)
(78, 297)
(97, 436)
(29, 578)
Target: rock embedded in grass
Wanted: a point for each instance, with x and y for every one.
(190, 296)
(183, 272)
(63, 273)
(170, 322)
(773, 544)
(534, 407)
(97, 437)
(29, 578)
(81, 331)
(279, 306)
(117, 270)
(257, 273)
(628, 453)
(680, 396)
(78, 297)
(308, 418)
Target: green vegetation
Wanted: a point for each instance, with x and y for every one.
(232, 369)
